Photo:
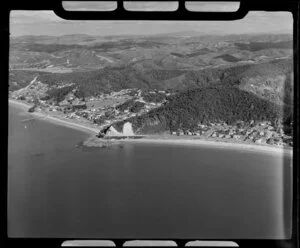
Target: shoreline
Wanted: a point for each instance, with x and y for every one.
(155, 139)
(55, 120)
(214, 143)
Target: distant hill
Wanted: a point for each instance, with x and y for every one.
(271, 81)
(210, 77)
(228, 57)
(188, 51)
(256, 46)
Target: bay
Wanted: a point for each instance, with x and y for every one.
(57, 188)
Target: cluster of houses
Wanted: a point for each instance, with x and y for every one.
(75, 108)
(260, 132)
(104, 115)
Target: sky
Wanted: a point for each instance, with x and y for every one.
(47, 23)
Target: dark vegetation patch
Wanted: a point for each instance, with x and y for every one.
(193, 54)
(156, 97)
(50, 48)
(131, 105)
(58, 94)
(136, 107)
(228, 58)
(91, 83)
(256, 46)
(211, 104)
(125, 105)
(161, 75)
(20, 79)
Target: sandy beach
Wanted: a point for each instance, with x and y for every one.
(55, 120)
(156, 139)
(218, 144)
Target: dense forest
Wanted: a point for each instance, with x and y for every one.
(131, 105)
(243, 92)
(58, 94)
(210, 104)
(156, 97)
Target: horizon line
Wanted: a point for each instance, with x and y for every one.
(289, 32)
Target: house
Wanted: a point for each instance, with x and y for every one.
(64, 103)
(72, 115)
(269, 134)
(265, 123)
(263, 141)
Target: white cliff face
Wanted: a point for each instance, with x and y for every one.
(127, 129)
(112, 132)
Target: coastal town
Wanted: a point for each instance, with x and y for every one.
(104, 110)
(151, 128)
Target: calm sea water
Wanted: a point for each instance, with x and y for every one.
(57, 189)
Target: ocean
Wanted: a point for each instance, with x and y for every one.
(58, 188)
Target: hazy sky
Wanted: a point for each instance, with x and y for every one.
(47, 23)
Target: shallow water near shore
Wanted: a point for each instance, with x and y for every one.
(59, 188)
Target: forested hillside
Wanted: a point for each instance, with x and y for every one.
(208, 105)
(272, 81)
(160, 83)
